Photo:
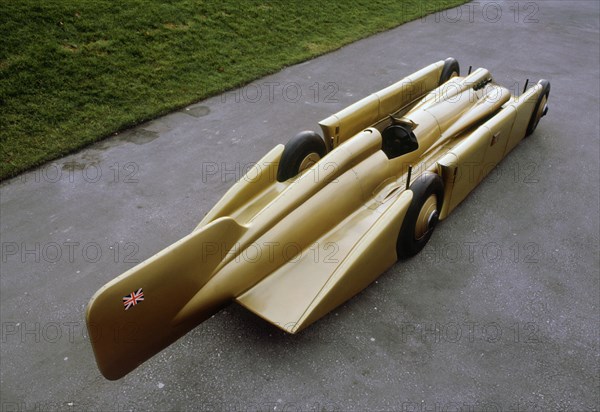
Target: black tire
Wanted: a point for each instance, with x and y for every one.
(451, 69)
(542, 99)
(425, 186)
(297, 150)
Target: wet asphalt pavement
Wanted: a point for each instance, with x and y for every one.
(499, 312)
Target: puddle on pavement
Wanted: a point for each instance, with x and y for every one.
(197, 111)
(137, 136)
(84, 161)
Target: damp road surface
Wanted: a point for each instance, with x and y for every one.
(499, 311)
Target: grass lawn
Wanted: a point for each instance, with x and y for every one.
(73, 72)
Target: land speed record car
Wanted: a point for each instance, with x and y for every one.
(366, 191)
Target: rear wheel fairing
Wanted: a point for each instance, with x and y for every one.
(343, 125)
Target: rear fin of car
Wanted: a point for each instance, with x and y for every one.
(133, 317)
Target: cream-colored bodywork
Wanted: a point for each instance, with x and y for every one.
(292, 251)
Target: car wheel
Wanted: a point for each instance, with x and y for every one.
(541, 107)
(301, 152)
(451, 69)
(422, 215)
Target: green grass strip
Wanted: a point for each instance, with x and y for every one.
(74, 72)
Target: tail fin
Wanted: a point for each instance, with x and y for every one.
(130, 319)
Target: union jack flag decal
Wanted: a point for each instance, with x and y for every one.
(133, 299)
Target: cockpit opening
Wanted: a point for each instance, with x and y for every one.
(398, 140)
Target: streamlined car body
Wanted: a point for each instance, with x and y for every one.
(317, 220)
